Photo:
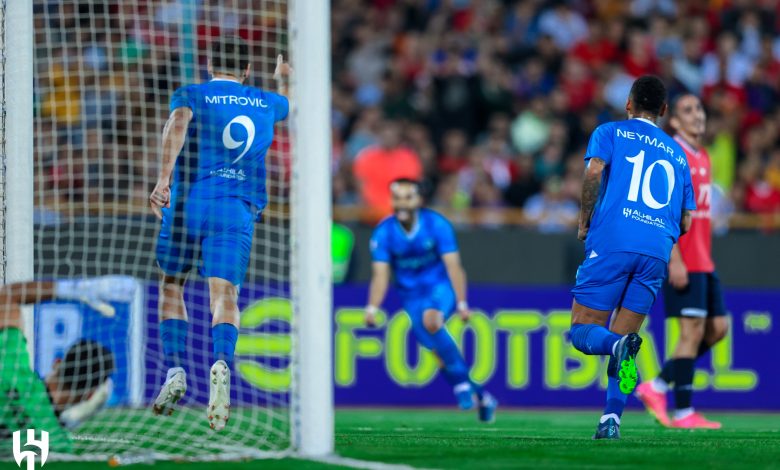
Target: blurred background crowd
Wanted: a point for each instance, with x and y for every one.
(489, 102)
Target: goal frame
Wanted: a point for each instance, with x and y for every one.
(312, 394)
(17, 140)
(311, 412)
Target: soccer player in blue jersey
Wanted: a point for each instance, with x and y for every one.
(210, 191)
(636, 201)
(418, 246)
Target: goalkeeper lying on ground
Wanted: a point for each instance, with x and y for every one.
(78, 384)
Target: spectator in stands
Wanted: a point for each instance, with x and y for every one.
(549, 210)
(565, 25)
(377, 166)
(443, 71)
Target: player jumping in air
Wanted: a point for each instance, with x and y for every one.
(636, 201)
(209, 194)
(693, 294)
(78, 385)
(418, 245)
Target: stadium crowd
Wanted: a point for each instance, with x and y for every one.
(489, 102)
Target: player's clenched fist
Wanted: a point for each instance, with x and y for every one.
(370, 316)
(463, 311)
(160, 197)
(282, 68)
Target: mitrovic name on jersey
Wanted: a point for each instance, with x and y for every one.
(239, 100)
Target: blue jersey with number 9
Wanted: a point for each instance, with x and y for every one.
(230, 132)
(645, 187)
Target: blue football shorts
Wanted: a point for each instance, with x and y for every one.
(439, 297)
(213, 234)
(701, 298)
(611, 280)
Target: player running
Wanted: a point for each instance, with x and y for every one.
(636, 200)
(209, 194)
(78, 385)
(418, 245)
(693, 294)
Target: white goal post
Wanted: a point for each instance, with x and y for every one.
(85, 93)
(17, 140)
(312, 284)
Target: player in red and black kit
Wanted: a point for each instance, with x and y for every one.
(693, 294)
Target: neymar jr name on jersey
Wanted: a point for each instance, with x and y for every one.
(647, 140)
(239, 100)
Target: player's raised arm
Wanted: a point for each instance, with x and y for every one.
(281, 75)
(457, 277)
(591, 187)
(174, 134)
(380, 279)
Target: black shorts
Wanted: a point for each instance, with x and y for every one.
(702, 298)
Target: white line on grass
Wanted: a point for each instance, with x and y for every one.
(364, 464)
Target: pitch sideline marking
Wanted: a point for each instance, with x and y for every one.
(355, 463)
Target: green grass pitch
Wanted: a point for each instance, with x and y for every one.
(526, 439)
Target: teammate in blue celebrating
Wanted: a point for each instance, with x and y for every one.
(418, 245)
(208, 195)
(636, 201)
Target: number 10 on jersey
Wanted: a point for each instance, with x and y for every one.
(642, 178)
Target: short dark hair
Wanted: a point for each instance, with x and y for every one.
(86, 365)
(673, 104)
(411, 181)
(229, 53)
(648, 93)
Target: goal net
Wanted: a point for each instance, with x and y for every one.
(104, 73)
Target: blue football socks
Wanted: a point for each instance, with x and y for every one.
(456, 371)
(223, 338)
(173, 333)
(616, 400)
(593, 339)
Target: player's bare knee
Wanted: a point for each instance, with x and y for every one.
(433, 321)
(583, 315)
(223, 298)
(172, 283)
(691, 331)
(716, 330)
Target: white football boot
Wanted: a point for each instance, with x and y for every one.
(218, 411)
(172, 391)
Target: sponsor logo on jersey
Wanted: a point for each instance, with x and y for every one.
(640, 216)
(229, 173)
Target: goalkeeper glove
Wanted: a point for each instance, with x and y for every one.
(75, 415)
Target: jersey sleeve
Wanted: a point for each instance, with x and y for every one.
(380, 251)
(281, 106)
(29, 406)
(445, 236)
(600, 144)
(183, 98)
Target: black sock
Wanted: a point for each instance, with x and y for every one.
(703, 348)
(683, 382)
(612, 369)
(667, 373)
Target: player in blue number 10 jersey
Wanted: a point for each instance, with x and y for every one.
(636, 201)
(418, 245)
(210, 192)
